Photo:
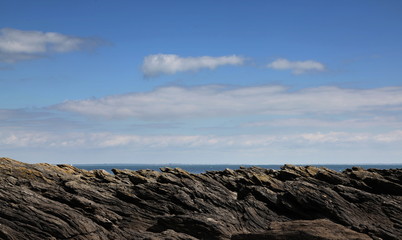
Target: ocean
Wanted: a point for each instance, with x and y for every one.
(201, 168)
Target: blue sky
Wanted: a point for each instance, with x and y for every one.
(243, 82)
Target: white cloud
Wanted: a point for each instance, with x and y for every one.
(15, 139)
(297, 67)
(389, 137)
(155, 65)
(351, 123)
(17, 45)
(337, 137)
(219, 101)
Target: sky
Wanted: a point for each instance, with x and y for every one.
(201, 82)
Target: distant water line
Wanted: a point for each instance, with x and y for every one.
(201, 168)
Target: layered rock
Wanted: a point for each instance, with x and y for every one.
(42, 201)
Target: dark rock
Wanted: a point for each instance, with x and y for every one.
(320, 229)
(198, 226)
(43, 201)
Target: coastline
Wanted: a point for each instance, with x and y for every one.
(43, 201)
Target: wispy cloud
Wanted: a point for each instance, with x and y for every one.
(38, 119)
(158, 64)
(297, 67)
(15, 139)
(217, 101)
(17, 45)
(351, 123)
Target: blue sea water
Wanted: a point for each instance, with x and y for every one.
(201, 168)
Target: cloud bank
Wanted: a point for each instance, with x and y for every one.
(109, 140)
(297, 67)
(217, 101)
(17, 45)
(158, 64)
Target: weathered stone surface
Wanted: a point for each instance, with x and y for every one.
(42, 201)
(320, 229)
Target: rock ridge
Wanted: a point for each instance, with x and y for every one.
(43, 201)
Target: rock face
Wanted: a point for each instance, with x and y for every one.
(42, 201)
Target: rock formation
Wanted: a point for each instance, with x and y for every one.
(43, 202)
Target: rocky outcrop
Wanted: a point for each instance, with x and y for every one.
(42, 201)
